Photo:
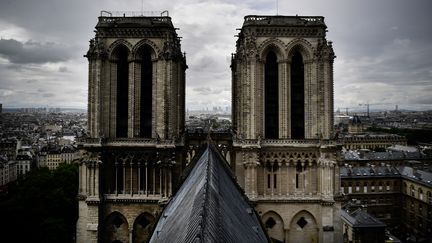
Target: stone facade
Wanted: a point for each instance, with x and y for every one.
(399, 196)
(283, 153)
(132, 156)
(371, 141)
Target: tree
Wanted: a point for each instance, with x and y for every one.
(41, 207)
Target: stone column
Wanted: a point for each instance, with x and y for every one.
(137, 98)
(279, 178)
(90, 179)
(116, 177)
(124, 176)
(131, 177)
(81, 174)
(139, 177)
(97, 97)
(97, 177)
(283, 97)
(288, 178)
(309, 187)
(113, 99)
(252, 108)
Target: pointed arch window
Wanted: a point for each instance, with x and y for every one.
(122, 66)
(297, 97)
(271, 96)
(146, 93)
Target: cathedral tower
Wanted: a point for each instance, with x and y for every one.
(132, 154)
(284, 155)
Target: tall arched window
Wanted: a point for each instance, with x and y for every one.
(297, 96)
(122, 91)
(271, 96)
(146, 92)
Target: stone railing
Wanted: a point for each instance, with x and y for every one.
(259, 19)
(105, 13)
(279, 142)
(132, 197)
(144, 142)
(103, 20)
(291, 197)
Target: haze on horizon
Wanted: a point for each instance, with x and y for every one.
(383, 48)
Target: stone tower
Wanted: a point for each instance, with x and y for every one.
(132, 155)
(283, 153)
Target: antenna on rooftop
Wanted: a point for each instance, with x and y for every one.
(142, 7)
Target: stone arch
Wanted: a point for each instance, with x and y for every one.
(142, 227)
(116, 228)
(274, 225)
(271, 93)
(272, 44)
(303, 46)
(303, 228)
(114, 47)
(119, 56)
(145, 43)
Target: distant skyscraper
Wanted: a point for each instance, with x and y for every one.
(283, 154)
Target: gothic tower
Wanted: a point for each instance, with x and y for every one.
(132, 155)
(284, 155)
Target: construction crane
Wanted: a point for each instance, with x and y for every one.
(346, 109)
(367, 105)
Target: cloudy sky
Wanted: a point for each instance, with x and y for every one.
(383, 48)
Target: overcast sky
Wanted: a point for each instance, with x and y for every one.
(383, 48)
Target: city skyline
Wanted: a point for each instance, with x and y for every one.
(382, 49)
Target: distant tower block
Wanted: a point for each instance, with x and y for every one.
(282, 99)
(132, 159)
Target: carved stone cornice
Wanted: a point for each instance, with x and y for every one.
(134, 32)
(290, 31)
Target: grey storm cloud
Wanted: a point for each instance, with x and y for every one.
(383, 47)
(32, 52)
(207, 90)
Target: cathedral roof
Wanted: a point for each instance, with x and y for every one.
(360, 218)
(209, 207)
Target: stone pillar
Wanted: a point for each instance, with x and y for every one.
(309, 176)
(251, 187)
(113, 99)
(131, 177)
(97, 98)
(155, 94)
(283, 97)
(279, 179)
(116, 177)
(89, 179)
(252, 104)
(97, 177)
(288, 178)
(81, 177)
(159, 101)
(124, 176)
(320, 178)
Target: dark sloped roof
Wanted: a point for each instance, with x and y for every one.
(209, 207)
(360, 218)
(369, 171)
